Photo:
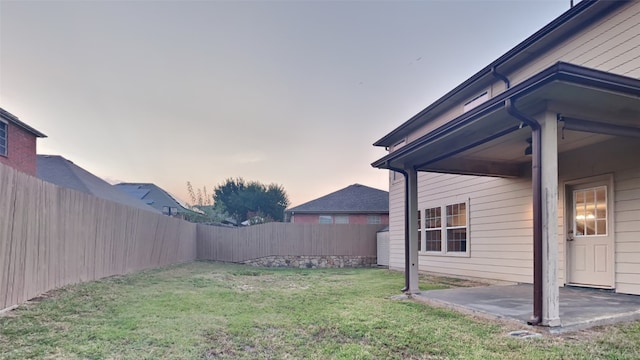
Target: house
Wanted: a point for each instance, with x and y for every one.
(18, 143)
(528, 171)
(62, 172)
(355, 204)
(155, 197)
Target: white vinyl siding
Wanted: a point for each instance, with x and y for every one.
(611, 157)
(499, 223)
(396, 224)
(500, 217)
(611, 44)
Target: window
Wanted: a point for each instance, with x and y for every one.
(374, 219)
(590, 207)
(326, 219)
(433, 229)
(342, 219)
(419, 231)
(457, 228)
(3, 138)
(448, 234)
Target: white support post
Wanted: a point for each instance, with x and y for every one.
(549, 162)
(412, 178)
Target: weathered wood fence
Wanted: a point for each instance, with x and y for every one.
(285, 239)
(52, 236)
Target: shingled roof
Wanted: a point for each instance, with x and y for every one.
(62, 172)
(354, 198)
(152, 195)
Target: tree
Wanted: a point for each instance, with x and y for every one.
(202, 207)
(251, 201)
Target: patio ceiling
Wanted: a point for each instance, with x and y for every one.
(488, 141)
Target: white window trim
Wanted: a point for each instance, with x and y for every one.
(443, 231)
(606, 201)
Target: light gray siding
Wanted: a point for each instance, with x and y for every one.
(500, 214)
(611, 44)
(396, 222)
(611, 157)
(500, 223)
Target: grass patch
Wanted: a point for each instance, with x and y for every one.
(206, 310)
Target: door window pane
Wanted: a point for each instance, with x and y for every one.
(590, 208)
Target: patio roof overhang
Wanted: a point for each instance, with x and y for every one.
(488, 141)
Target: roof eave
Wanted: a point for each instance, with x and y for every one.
(559, 71)
(16, 121)
(392, 137)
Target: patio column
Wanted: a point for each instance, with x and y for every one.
(412, 178)
(549, 169)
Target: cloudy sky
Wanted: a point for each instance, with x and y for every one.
(288, 92)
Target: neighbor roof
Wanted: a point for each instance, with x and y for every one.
(354, 198)
(4, 114)
(152, 195)
(62, 172)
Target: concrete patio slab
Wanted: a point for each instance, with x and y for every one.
(580, 308)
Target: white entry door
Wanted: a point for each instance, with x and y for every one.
(590, 237)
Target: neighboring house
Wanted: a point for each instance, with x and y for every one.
(155, 197)
(355, 204)
(528, 171)
(62, 172)
(18, 143)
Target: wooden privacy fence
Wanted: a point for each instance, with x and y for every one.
(285, 239)
(52, 236)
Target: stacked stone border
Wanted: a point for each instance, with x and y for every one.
(314, 262)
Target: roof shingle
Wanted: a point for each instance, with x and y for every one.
(354, 198)
(62, 172)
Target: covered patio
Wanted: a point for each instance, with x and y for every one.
(580, 308)
(521, 132)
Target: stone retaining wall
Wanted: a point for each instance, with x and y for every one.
(313, 262)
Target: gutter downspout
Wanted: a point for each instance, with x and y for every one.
(500, 76)
(406, 226)
(536, 175)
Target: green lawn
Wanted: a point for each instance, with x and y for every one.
(206, 310)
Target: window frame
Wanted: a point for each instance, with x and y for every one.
(330, 217)
(374, 216)
(443, 229)
(341, 217)
(595, 218)
(6, 138)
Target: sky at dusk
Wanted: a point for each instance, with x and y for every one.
(293, 93)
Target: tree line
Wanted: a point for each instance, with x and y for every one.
(243, 202)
